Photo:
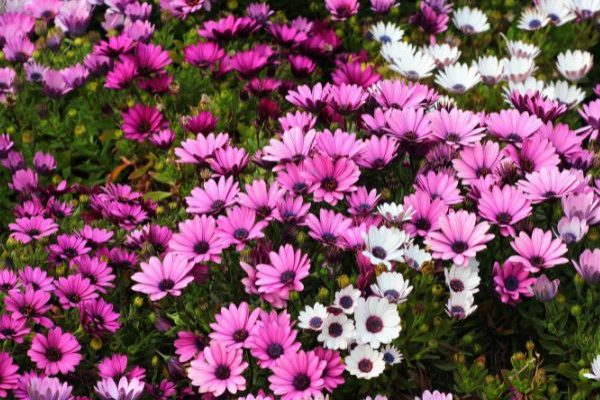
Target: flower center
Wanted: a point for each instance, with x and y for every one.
(392, 295)
(374, 324)
(74, 298)
(346, 302)
(33, 232)
(299, 187)
(537, 261)
(388, 358)
(335, 330)
(329, 184)
(503, 218)
(457, 285)
(287, 277)
(240, 335)
(365, 365)
(240, 233)
(511, 283)
(301, 382)
(459, 247)
(457, 311)
(217, 205)
(222, 372)
(166, 284)
(201, 247)
(315, 322)
(53, 354)
(275, 350)
(423, 224)
(379, 252)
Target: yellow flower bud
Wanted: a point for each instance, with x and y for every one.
(96, 343)
(343, 281)
(138, 301)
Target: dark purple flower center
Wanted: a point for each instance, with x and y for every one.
(374, 324)
(335, 330)
(457, 285)
(392, 295)
(217, 205)
(299, 187)
(483, 171)
(329, 184)
(452, 137)
(388, 357)
(201, 247)
(240, 335)
(26, 310)
(458, 88)
(346, 302)
(379, 252)
(328, 237)
(287, 277)
(33, 232)
(511, 283)
(166, 284)
(503, 218)
(301, 382)
(240, 233)
(527, 165)
(70, 252)
(537, 261)
(275, 350)
(222, 372)
(549, 194)
(53, 354)
(457, 311)
(423, 224)
(74, 298)
(535, 23)
(514, 137)
(459, 247)
(144, 127)
(315, 322)
(365, 365)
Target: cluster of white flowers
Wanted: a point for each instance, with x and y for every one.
(463, 283)
(364, 327)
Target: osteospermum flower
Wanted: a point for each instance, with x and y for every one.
(386, 32)
(533, 19)
(29, 305)
(312, 317)
(199, 150)
(233, 325)
(574, 65)
(330, 179)
(161, 278)
(219, 370)
(73, 290)
(298, 376)
(538, 250)
(435, 395)
(239, 226)
(36, 227)
(310, 99)
(512, 281)
(328, 226)
(460, 305)
(47, 388)
(364, 362)
(504, 207)
(392, 286)
(595, 374)
(444, 54)
(271, 340)
(588, 266)
(458, 78)
(569, 95)
(337, 332)
(130, 389)
(440, 185)
(342, 9)
(97, 317)
(384, 245)
(213, 197)
(284, 273)
(478, 161)
(512, 126)
(460, 237)
(414, 66)
(197, 240)
(491, 69)
(456, 127)
(140, 121)
(8, 374)
(470, 20)
(56, 352)
(377, 321)
(518, 69)
(548, 183)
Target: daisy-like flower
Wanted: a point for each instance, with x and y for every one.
(29, 305)
(491, 69)
(572, 230)
(504, 207)
(294, 146)
(588, 266)
(584, 9)
(574, 65)
(298, 376)
(239, 226)
(548, 183)
(346, 299)
(458, 78)
(409, 125)
(200, 149)
(462, 279)
(536, 153)
(284, 273)
(459, 238)
(342, 9)
(386, 32)
(512, 126)
(557, 10)
(595, 374)
(97, 317)
(312, 317)
(518, 69)
(426, 214)
(213, 197)
(456, 127)
(435, 395)
(328, 226)
(197, 240)
(394, 51)
(364, 362)
(460, 305)
(512, 281)
(391, 355)
(478, 161)
(73, 290)
(233, 325)
(45, 388)
(129, 389)
(337, 332)
(538, 250)
(545, 290)
(414, 66)
(56, 352)
(330, 179)
(441, 185)
(415, 257)
(443, 54)
(392, 286)
(384, 245)
(518, 48)
(377, 321)
(569, 95)
(8, 374)
(470, 20)
(188, 345)
(36, 227)
(219, 370)
(161, 278)
(533, 19)
(140, 121)
(310, 99)
(395, 213)
(272, 340)
(347, 98)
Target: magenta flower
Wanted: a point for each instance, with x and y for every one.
(188, 345)
(439, 186)
(339, 144)
(545, 290)
(270, 341)
(24, 181)
(223, 29)
(291, 210)
(197, 240)
(213, 197)
(378, 152)
(239, 226)
(97, 271)
(284, 273)
(566, 142)
(73, 290)
(13, 328)
(298, 376)
(334, 368)
(310, 99)
(409, 125)
(512, 282)
(97, 317)
(504, 207)
(29, 305)
(229, 161)
(478, 161)
(204, 122)
(66, 248)
(401, 95)
(347, 98)
(219, 370)
(299, 119)
(201, 149)
(585, 206)
(589, 266)
(328, 227)
(233, 325)
(302, 66)
(149, 58)
(342, 9)
(460, 237)
(203, 55)
(538, 250)
(261, 199)
(8, 374)
(429, 20)
(249, 63)
(293, 178)
(32, 228)
(355, 73)
(140, 121)
(161, 278)
(536, 104)
(115, 367)
(121, 75)
(56, 352)
(456, 127)
(362, 202)
(426, 213)
(549, 183)
(329, 179)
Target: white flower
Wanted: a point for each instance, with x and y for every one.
(337, 332)
(364, 362)
(518, 48)
(461, 279)
(107, 389)
(384, 245)
(491, 69)
(473, 264)
(458, 78)
(396, 50)
(595, 369)
(443, 102)
(396, 213)
(392, 355)
(518, 69)
(584, 8)
(443, 54)
(414, 66)
(470, 20)
(312, 317)
(460, 305)
(572, 230)
(533, 19)
(392, 286)
(415, 257)
(558, 11)
(346, 299)
(386, 32)
(574, 65)
(377, 321)
(378, 397)
(528, 85)
(570, 95)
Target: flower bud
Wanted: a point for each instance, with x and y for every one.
(544, 289)
(96, 343)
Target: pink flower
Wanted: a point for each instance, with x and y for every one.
(29, 305)
(401, 95)
(27, 229)
(270, 341)
(228, 161)
(310, 99)
(460, 237)
(298, 376)
(197, 240)
(339, 144)
(378, 152)
(342, 9)
(219, 370)
(478, 161)
(188, 345)
(57, 352)
(261, 199)
(589, 266)
(115, 367)
(535, 153)
(203, 55)
(98, 318)
(512, 126)
(426, 213)
(345, 98)
(8, 374)
(213, 197)
(294, 146)
(239, 226)
(504, 207)
(548, 183)
(285, 272)
(538, 251)
(409, 125)
(512, 282)
(328, 227)
(233, 325)
(334, 369)
(439, 185)
(456, 127)
(160, 278)
(73, 290)
(329, 179)
(199, 150)
(140, 121)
